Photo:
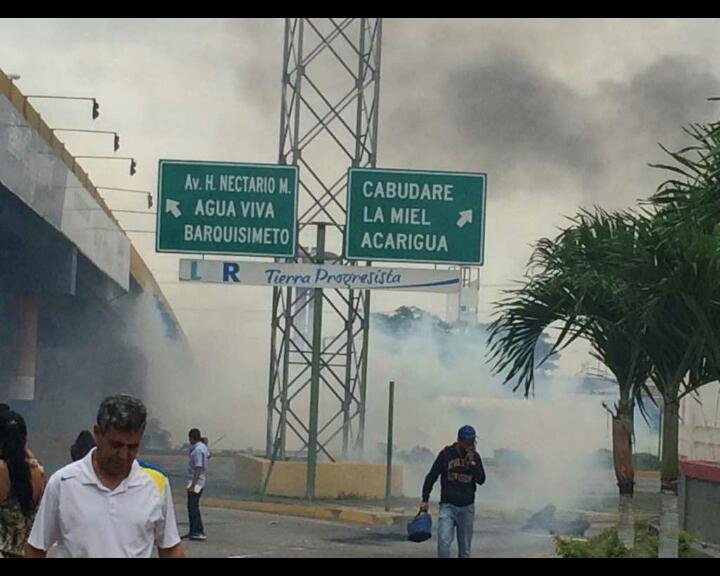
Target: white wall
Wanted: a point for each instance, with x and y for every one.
(700, 424)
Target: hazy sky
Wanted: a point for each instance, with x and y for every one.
(559, 114)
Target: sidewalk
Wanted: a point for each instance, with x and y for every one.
(371, 514)
(356, 514)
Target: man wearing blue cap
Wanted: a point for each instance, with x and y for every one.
(460, 469)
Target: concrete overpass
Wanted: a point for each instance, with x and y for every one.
(69, 278)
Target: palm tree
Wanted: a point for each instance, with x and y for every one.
(693, 193)
(570, 283)
(681, 298)
(674, 283)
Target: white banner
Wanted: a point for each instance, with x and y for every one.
(318, 276)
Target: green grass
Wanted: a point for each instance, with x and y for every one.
(607, 544)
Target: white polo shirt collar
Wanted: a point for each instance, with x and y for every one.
(87, 475)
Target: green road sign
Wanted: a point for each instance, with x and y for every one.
(415, 216)
(227, 208)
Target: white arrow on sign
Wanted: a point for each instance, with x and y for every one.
(465, 218)
(173, 206)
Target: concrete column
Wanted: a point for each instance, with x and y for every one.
(23, 387)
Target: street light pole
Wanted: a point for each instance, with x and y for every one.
(96, 105)
(315, 370)
(131, 191)
(133, 165)
(116, 143)
(388, 465)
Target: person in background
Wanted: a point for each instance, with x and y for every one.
(30, 456)
(460, 469)
(204, 440)
(83, 444)
(197, 476)
(22, 481)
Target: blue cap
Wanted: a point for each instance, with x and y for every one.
(467, 432)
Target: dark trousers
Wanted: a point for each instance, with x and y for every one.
(193, 505)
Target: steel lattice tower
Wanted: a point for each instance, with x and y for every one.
(328, 123)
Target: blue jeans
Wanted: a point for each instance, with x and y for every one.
(193, 505)
(453, 518)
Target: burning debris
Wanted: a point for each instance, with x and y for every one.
(157, 438)
(545, 520)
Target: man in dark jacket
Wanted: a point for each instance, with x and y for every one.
(460, 469)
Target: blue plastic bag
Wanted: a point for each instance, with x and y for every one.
(420, 528)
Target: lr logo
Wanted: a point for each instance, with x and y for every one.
(230, 271)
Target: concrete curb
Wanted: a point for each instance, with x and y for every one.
(315, 511)
(378, 517)
(520, 514)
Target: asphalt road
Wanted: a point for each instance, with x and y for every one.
(242, 534)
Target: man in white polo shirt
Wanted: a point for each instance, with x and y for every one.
(107, 505)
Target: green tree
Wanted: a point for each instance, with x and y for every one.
(678, 286)
(571, 285)
(644, 290)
